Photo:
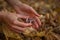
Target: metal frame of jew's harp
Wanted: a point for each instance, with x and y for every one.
(29, 20)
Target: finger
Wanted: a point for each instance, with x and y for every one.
(22, 16)
(36, 24)
(12, 29)
(29, 9)
(16, 28)
(34, 12)
(38, 21)
(22, 24)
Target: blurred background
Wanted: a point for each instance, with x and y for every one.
(49, 11)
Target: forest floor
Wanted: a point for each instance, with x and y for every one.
(49, 11)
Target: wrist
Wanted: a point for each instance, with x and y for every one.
(13, 2)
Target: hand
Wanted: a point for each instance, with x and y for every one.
(11, 19)
(29, 11)
(26, 10)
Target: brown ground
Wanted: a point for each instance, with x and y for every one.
(50, 18)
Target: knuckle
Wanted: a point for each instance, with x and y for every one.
(26, 25)
(14, 22)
